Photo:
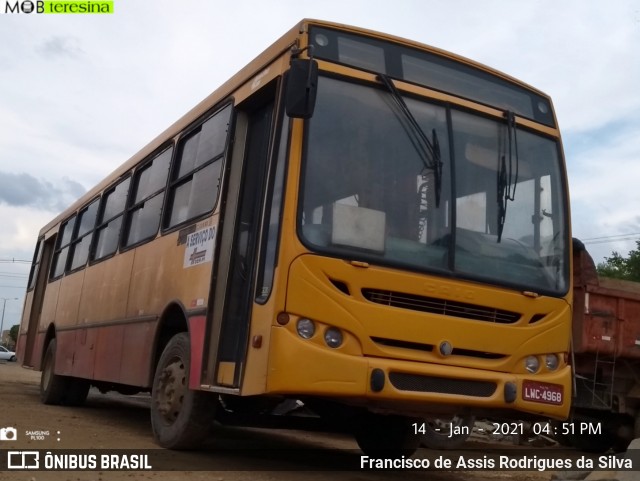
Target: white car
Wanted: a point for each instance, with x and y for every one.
(7, 355)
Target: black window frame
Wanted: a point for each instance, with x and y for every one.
(274, 207)
(101, 223)
(133, 205)
(77, 237)
(176, 181)
(60, 247)
(35, 265)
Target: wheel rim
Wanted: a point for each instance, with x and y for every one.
(172, 387)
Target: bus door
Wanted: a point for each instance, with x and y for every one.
(233, 280)
(37, 282)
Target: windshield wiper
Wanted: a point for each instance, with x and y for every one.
(507, 173)
(429, 150)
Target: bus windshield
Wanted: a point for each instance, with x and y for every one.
(367, 193)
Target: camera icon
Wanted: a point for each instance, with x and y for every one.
(8, 434)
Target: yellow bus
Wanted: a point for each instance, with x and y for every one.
(372, 226)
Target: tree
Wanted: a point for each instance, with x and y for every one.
(13, 333)
(620, 267)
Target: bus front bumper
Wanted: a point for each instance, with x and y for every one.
(301, 368)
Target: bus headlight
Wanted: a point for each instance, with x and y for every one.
(333, 337)
(306, 328)
(551, 361)
(531, 364)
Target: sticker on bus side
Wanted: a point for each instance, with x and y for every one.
(199, 247)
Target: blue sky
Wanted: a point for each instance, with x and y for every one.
(79, 94)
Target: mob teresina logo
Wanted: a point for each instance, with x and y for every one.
(57, 6)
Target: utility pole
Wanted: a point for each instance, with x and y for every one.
(4, 304)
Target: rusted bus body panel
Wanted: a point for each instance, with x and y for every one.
(26, 314)
(197, 327)
(120, 353)
(606, 340)
(606, 316)
(21, 347)
(107, 315)
(162, 273)
(48, 314)
(105, 290)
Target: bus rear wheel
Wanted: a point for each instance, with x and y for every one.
(56, 389)
(52, 386)
(386, 435)
(180, 417)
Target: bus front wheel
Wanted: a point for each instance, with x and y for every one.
(386, 435)
(180, 417)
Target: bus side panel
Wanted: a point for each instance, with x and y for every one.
(109, 346)
(21, 346)
(197, 326)
(162, 272)
(65, 350)
(153, 277)
(69, 300)
(84, 355)
(24, 322)
(38, 350)
(104, 292)
(49, 303)
(137, 353)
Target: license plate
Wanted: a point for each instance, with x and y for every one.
(542, 392)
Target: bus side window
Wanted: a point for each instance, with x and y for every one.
(35, 265)
(272, 226)
(110, 222)
(62, 249)
(82, 238)
(195, 180)
(150, 181)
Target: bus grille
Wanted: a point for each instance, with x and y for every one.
(440, 306)
(466, 387)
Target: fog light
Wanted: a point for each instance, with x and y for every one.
(333, 337)
(306, 328)
(551, 361)
(532, 364)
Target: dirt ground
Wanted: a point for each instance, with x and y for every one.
(117, 422)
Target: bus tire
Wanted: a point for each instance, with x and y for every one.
(77, 392)
(438, 432)
(180, 417)
(388, 436)
(53, 387)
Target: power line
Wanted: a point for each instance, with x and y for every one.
(14, 261)
(13, 274)
(611, 238)
(610, 241)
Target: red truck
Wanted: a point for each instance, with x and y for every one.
(605, 357)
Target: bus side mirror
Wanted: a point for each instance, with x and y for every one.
(302, 86)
